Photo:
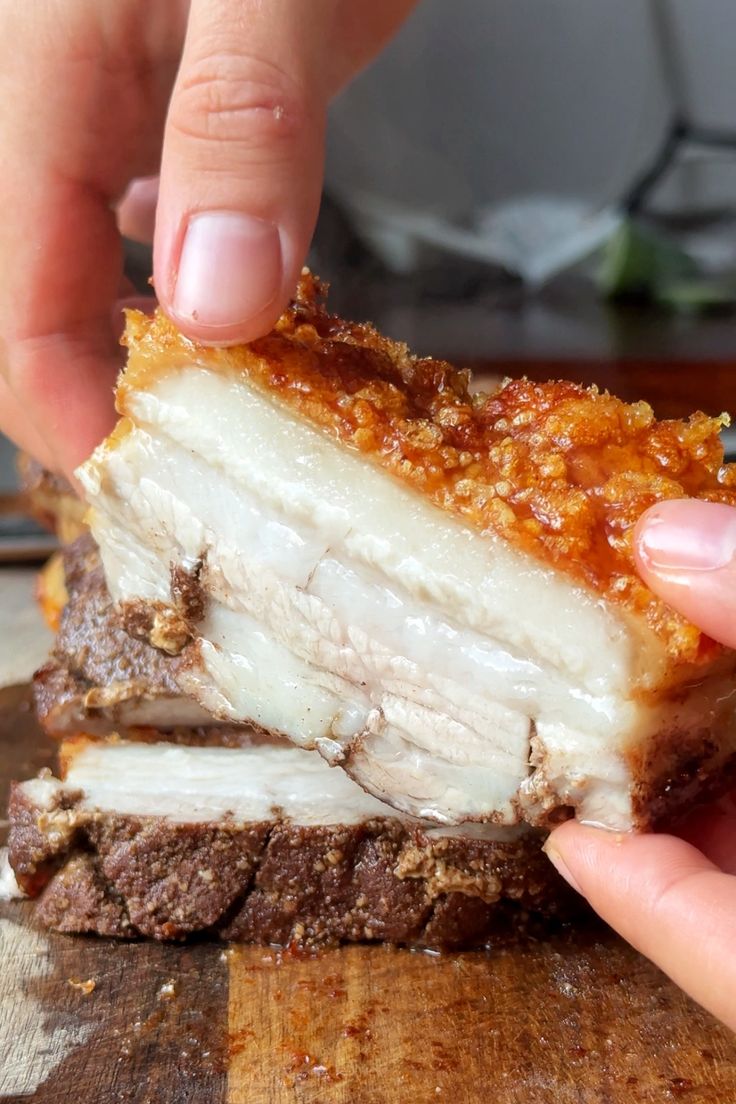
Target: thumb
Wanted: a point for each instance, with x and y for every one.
(686, 553)
(668, 900)
(242, 164)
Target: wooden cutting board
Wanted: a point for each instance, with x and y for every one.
(574, 1019)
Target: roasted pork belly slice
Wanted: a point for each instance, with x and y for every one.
(434, 589)
(99, 679)
(263, 843)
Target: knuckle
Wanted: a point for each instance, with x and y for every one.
(236, 99)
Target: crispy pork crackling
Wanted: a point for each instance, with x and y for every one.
(433, 588)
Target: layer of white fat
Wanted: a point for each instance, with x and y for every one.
(345, 605)
(194, 785)
(9, 888)
(358, 511)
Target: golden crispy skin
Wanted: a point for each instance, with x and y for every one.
(557, 469)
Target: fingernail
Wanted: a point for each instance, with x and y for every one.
(230, 269)
(560, 865)
(686, 535)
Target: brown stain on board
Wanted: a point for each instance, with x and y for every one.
(577, 1019)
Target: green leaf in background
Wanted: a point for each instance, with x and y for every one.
(694, 295)
(639, 262)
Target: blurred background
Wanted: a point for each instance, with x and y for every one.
(538, 186)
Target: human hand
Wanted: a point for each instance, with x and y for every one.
(228, 100)
(674, 897)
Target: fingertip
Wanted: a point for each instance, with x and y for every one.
(685, 535)
(574, 849)
(241, 170)
(228, 285)
(556, 856)
(685, 551)
(136, 212)
(665, 898)
(77, 408)
(609, 868)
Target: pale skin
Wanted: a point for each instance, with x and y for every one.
(675, 898)
(226, 100)
(200, 125)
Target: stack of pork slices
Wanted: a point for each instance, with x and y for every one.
(166, 822)
(425, 596)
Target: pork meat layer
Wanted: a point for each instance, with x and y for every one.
(433, 588)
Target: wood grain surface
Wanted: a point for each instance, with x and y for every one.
(574, 1018)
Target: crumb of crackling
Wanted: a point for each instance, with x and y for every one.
(85, 987)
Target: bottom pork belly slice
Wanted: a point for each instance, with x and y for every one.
(264, 843)
(451, 672)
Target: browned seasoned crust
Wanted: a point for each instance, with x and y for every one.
(50, 499)
(92, 635)
(560, 470)
(382, 880)
(676, 782)
(94, 663)
(100, 679)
